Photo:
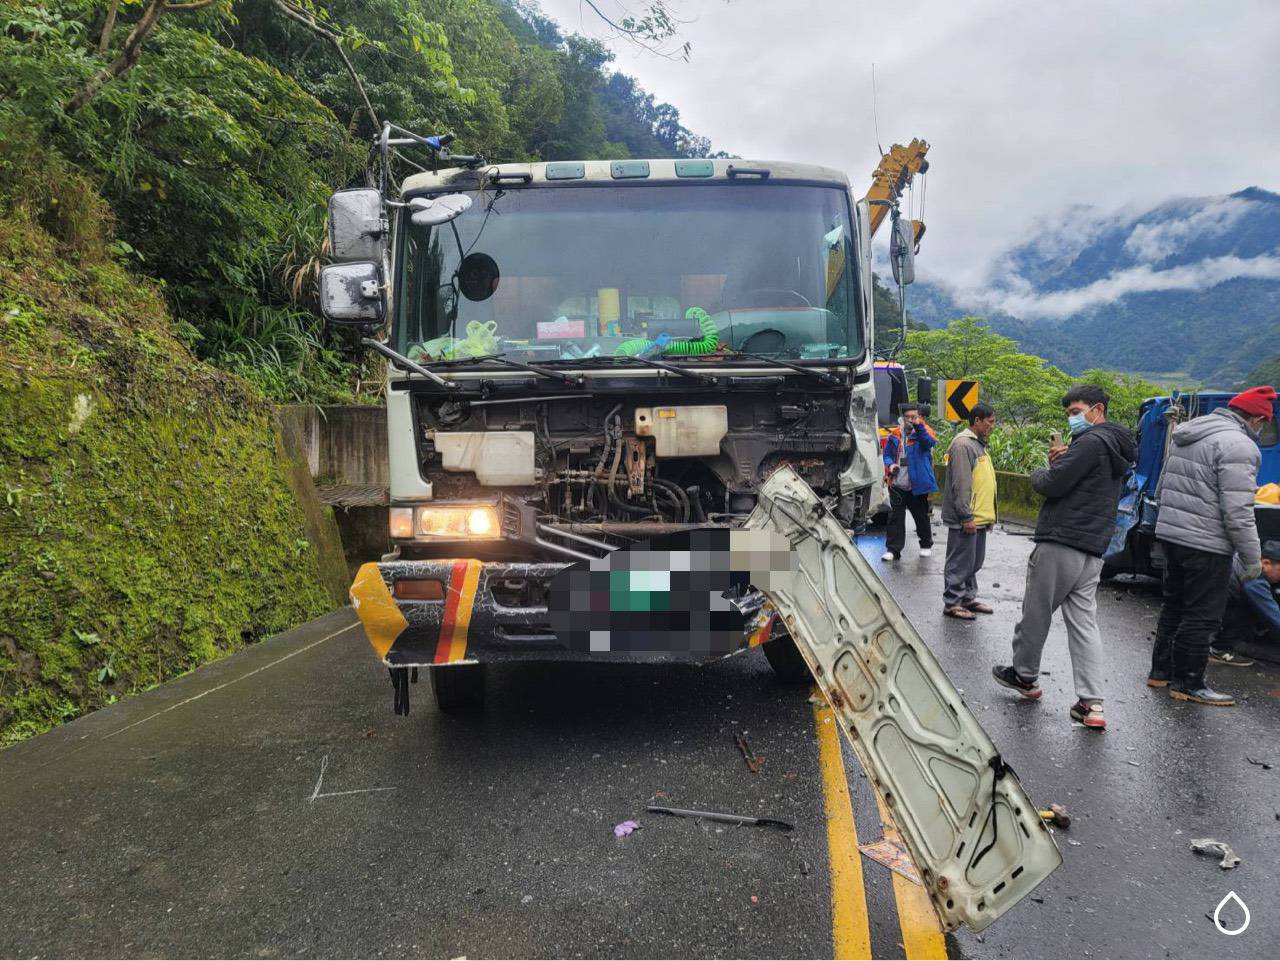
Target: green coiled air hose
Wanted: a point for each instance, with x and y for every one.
(706, 344)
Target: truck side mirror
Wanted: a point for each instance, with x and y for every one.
(924, 390)
(902, 251)
(357, 228)
(351, 294)
(434, 211)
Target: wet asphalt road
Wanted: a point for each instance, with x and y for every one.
(193, 820)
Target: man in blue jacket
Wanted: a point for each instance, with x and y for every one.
(910, 477)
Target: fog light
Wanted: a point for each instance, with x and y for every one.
(458, 523)
(401, 522)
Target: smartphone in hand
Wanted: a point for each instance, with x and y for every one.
(1055, 439)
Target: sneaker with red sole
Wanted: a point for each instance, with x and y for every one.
(1008, 677)
(1089, 713)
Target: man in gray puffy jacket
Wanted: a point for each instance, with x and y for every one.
(1206, 496)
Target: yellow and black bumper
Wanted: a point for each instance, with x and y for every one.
(421, 613)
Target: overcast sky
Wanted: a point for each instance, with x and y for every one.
(1028, 106)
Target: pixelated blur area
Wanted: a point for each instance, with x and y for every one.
(693, 592)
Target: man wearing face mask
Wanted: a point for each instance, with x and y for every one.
(911, 481)
(1206, 497)
(1081, 487)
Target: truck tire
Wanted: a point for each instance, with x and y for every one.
(459, 688)
(784, 657)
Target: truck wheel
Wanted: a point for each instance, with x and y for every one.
(459, 688)
(786, 661)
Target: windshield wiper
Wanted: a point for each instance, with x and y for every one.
(408, 364)
(405, 363)
(544, 371)
(811, 371)
(657, 365)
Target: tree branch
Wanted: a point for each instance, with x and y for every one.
(128, 58)
(108, 28)
(304, 17)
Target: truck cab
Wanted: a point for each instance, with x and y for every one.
(599, 354)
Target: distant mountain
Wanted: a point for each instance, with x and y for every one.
(1188, 289)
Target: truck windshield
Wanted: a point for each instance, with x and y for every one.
(565, 273)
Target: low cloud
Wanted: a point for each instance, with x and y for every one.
(1156, 242)
(1022, 301)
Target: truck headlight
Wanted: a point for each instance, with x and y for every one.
(467, 522)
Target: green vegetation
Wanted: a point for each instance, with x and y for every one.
(1025, 390)
(217, 130)
(1267, 372)
(164, 171)
(146, 523)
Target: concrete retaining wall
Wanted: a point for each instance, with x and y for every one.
(345, 444)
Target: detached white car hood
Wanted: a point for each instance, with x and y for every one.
(975, 836)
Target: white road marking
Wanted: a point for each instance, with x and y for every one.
(234, 680)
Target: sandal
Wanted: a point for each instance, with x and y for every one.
(960, 613)
(979, 608)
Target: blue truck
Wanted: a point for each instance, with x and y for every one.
(1133, 548)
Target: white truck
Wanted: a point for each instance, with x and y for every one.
(631, 414)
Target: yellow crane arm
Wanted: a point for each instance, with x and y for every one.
(892, 177)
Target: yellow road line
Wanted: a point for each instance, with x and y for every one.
(850, 928)
(921, 933)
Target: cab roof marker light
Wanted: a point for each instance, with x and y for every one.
(565, 170)
(629, 169)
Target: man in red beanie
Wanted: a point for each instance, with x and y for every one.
(1205, 498)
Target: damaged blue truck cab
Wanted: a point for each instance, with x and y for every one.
(1133, 548)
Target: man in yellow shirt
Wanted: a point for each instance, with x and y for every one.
(968, 511)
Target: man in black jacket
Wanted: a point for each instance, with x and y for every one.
(1081, 487)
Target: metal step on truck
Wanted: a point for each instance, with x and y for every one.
(631, 417)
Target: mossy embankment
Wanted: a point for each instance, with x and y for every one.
(147, 523)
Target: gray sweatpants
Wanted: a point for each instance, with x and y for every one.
(1062, 577)
(965, 554)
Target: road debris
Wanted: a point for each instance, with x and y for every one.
(1056, 815)
(624, 828)
(1217, 849)
(892, 853)
(725, 818)
(754, 761)
(1262, 764)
